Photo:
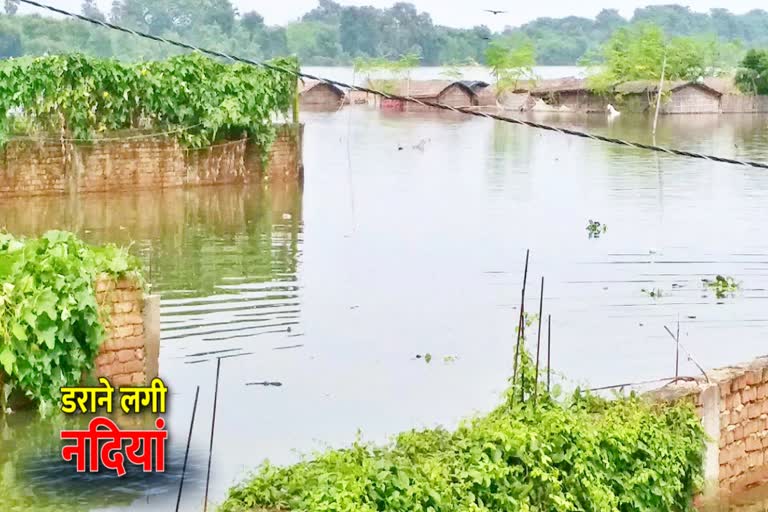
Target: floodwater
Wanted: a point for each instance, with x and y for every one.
(392, 251)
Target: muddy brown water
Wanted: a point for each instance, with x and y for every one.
(391, 253)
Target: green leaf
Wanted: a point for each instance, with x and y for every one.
(7, 359)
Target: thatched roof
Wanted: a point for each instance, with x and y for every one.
(422, 88)
(551, 85)
(652, 86)
(723, 85)
(306, 85)
(475, 85)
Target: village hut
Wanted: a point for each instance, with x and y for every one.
(679, 97)
(570, 92)
(485, 93)
(316, 95)
(447, 92)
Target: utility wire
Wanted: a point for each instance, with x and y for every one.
(410, 99)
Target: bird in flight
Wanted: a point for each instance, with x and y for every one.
(494, 12)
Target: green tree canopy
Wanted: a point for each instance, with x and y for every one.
(639, 52)
(511, 59)
(752, 77)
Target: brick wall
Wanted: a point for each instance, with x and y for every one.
(733, 406)
(128, 356)
(50, 167)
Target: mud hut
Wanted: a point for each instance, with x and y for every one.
(679, 97)
(315, 95)
(447, 92)
(569, 92)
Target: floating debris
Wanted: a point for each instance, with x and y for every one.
(287, 347)
(722, 285)
(595, 228)
(265, 384)
(654, 293)
(200, 354)
(427, 357)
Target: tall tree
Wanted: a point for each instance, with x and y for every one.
(511, 59)
(11, 6)
(90, 9)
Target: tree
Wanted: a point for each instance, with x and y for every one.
(752, 77)
(90, 9)
(312, 39)
(10, 42)
(511, 59)
(180, 16)
(639, 52)
(253, 23)
(360, 30)
(327, 11)
(11, 6)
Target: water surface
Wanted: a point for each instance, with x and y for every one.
(390, 252)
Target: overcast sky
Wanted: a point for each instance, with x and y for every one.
(457, 13)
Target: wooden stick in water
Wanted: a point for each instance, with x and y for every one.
(549, 350)
(186, 452)
(520, 321)
(213, 426)
(538, 345)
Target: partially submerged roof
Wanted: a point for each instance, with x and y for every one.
(652, 86)
(306, 85)
(475, 85)
(551, 86)
(423, 88)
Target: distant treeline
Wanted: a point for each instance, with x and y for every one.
(331, 34)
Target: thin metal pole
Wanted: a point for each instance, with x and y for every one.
(549, 350)
(520, 321)
(213, 426)
(538, 345)
(186, 452)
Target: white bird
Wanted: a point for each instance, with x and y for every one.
(612, 112)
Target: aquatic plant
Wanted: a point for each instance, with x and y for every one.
(653, 293)
(194, 98)
(50, 322)
(721, 285)
(584, 453)
(595, 229)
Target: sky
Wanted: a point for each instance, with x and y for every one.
(456, 13)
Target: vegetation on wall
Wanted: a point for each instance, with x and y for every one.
(584, 454)
(50, 322)
(333, 34)
(196, 98)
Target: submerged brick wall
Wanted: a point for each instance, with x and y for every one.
(733, 406)
(39, 168)
(128, 355)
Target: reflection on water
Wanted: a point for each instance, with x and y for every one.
(397, 248)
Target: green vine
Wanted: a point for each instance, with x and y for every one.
(582, 454)
(197, 99)
(50, 327)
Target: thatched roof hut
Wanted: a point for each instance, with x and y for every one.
(316, 95)
(447, 92)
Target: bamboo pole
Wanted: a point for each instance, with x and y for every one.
(658, 96)
(520, 321)
(538, 345)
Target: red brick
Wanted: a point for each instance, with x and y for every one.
(138, 366)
